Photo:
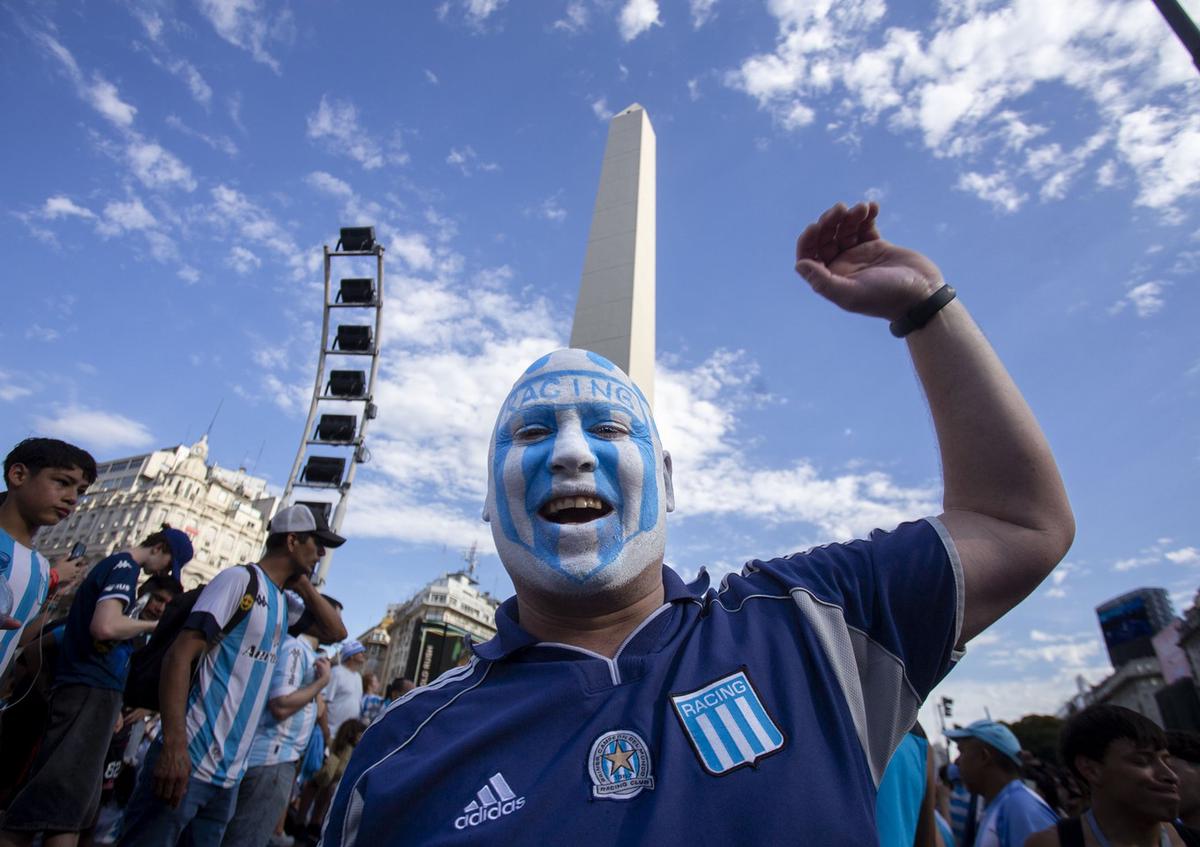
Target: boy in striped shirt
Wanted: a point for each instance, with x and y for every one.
(190, 775)
(45, 478)
(280, 740)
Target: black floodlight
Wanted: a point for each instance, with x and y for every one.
(353, 339)
(336, 428)
(357, 290)
(326, 470)
(318, 508)
(357, 239)
(348, 383)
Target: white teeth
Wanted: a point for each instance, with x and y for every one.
(560, 503)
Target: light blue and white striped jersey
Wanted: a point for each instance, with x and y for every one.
(28, 576)
(229, 692)
(276, 742)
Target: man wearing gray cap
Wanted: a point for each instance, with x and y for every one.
(989, 759)
(233, 635)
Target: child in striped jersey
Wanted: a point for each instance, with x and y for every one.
(44, 478)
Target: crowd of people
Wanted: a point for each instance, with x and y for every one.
(617, 703)
(150, 715)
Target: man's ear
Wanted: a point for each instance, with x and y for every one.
(668, 483)
(1090, 769)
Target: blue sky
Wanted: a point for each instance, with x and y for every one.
(171, 170)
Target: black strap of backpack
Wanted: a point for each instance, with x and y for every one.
(1190, 835)
(243, 608)
(1070, 833)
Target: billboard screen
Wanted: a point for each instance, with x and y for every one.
(436, 648)
(1125, 622)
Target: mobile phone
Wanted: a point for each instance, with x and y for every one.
(77, 550)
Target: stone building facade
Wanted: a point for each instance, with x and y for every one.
(224, 511)
(428, 633)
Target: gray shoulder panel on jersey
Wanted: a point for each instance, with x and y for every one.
(354, 805)
(866, 673)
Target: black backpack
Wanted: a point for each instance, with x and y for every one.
(146, 663)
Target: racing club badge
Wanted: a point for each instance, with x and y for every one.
(619, 765)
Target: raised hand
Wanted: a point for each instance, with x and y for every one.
(845, 260)
(321, 671)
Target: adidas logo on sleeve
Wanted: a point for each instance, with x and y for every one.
(492, 802)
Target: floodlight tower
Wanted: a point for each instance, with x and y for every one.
(344, 390)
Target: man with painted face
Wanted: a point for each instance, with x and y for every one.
(619, 705)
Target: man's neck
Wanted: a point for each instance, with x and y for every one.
(14, 524)
(602, 631)
(1121, 828)
(278, 569)
(994, 783)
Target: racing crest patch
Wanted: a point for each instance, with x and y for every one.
(727, 724)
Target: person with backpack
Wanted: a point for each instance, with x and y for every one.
(62, 794)
(231, 637)
(1124, 759)
(281, 739)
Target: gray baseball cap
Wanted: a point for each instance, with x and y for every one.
(303, 519)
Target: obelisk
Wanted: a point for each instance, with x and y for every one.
(614, 315)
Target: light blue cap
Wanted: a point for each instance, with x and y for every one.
(993, 734)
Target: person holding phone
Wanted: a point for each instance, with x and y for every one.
(62, 794)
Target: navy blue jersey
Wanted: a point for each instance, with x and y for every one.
(84, 660)
(764, 712)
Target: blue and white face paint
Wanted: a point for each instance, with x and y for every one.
(578, 483)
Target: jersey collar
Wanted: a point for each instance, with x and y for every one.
(510, 637)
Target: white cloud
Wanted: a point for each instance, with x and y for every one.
(574, 19)
(99, 93)
(94, 428)
(550, 209)
(1155, 554)
(222, 143)
(1184, 556)
(188, 274)
(961, 85)
(106, 100)
(636, 17)
(693, 87)
(600, 109)
(245, 24)
(994, 188)
(702, 11)
(413, 248)
(1146, 299)
(431, 76)
(10, 390)
(329, 184)
(335, 123)
(157, 167)
(37, 332)
(242, 261)
(468, 161)
(126, 216)
(478, 11)
(233, 213)
(61, 206)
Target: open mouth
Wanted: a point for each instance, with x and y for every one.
(568, 510)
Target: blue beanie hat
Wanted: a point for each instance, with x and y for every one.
(181, 549)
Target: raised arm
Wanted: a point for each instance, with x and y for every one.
(1004, 502)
